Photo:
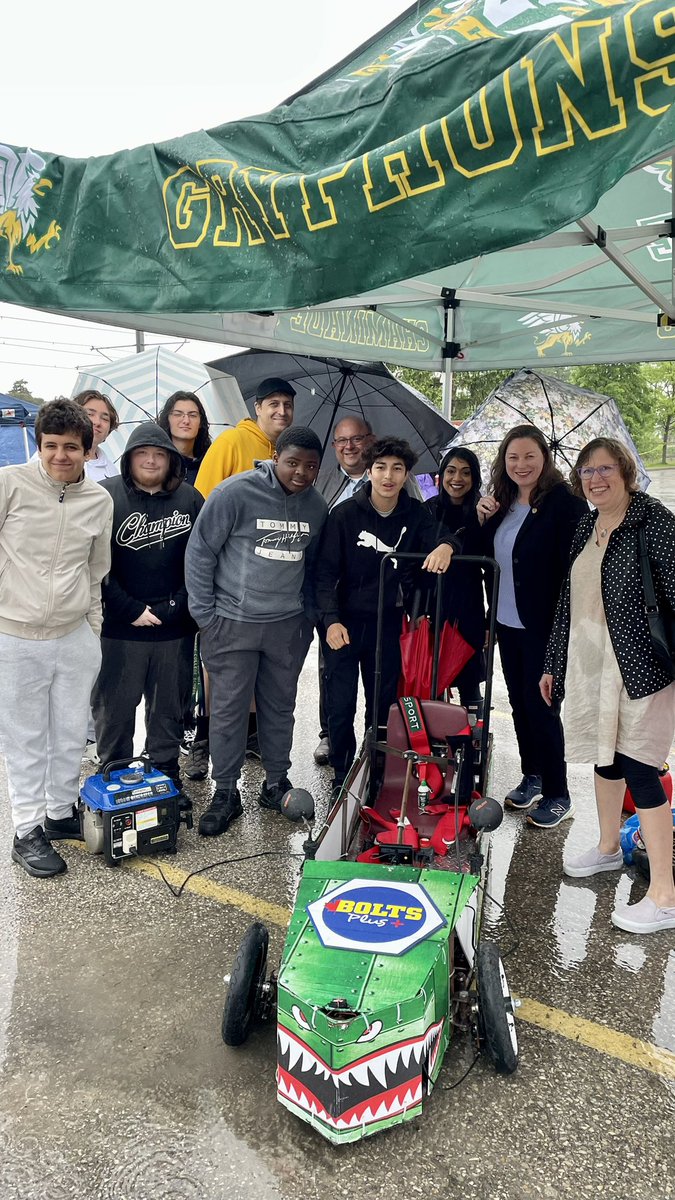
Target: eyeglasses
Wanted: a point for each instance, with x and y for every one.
(589, 472)
(342, 442)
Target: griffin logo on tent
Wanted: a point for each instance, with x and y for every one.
(21, 184)
(559, 336)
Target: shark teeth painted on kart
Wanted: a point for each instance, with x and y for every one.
(388, 1098)
(394, 1103)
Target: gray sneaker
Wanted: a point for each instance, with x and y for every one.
(592, 862)
(197, 761)
(525, 794)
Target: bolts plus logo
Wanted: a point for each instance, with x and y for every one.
(385, 918)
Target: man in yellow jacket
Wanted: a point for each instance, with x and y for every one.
(237, 449)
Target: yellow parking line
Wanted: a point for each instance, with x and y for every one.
(263, 910)
(611, 1042)
(599, 1037)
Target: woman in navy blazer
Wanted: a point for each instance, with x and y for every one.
(528, 524)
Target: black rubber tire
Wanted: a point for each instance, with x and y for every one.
(246, 978)
(497, 1027)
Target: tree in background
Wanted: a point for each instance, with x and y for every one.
(660, 378)
(20, 391)
(625, 383)
(469, 388)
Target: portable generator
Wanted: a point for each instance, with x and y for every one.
(130, 809)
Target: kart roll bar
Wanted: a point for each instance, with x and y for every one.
(479, 561)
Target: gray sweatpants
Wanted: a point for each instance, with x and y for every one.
(246, 659)
(44, 709)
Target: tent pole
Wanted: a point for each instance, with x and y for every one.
(26, 445)
(672, 230)
(447, 389)
(447, 365)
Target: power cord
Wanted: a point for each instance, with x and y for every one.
(222, 862)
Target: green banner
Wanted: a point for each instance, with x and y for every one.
(463, 129)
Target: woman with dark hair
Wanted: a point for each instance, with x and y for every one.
(620, 699)
(454, 510)
(528, 525)
(184, 418)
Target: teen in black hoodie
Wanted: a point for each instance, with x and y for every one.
(379, 518)
(148, 634)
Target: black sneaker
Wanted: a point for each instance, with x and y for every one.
(224, 808)
(253, 747)
(271, 797)
(197, 762)
(34, 853)
(68, 827)
(525, 794)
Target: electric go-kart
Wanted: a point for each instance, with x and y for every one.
(385, 957)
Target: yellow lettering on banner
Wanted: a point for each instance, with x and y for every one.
(229, 233)
(579, 95)
(407, 173)
(187, 204)
(313, 203)
(257, 180)
(474, 149)
(472, 30)
(414, 914)
(652, 88)
(345, 906)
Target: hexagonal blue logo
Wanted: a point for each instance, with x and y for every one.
(383, 918)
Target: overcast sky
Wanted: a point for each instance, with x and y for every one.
(77, 82)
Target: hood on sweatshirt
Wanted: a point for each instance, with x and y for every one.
(150, 434)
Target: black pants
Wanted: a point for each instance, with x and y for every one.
(160, 672)
(538, 728)
(644, 782)
(341, 677)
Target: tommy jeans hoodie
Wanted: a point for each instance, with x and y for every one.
(251, 555)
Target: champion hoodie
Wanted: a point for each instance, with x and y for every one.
(149, 539)
(251, 555)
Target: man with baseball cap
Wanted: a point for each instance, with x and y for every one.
(237, 449)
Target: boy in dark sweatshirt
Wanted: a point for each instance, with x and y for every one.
(249, 571)
(381, 517)
(148, 634)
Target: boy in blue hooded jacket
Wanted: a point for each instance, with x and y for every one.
(249, 573)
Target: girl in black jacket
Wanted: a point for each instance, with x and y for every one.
(529, 521)
(454, 510)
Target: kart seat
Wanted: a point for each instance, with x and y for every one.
(443, 721)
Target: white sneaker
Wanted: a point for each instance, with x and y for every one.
(592, 862)
(643, 917)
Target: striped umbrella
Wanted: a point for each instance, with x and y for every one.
(139, 385)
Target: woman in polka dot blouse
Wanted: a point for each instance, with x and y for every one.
(620, 700)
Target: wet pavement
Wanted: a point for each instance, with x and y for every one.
(115, 1084)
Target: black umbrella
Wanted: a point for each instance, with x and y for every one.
(329, 389)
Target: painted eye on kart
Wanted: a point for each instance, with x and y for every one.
(371, 1033)
(300, 1018)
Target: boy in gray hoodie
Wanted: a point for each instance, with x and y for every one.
(249, 572)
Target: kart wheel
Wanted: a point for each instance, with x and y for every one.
(246, 980)
(496, 1022)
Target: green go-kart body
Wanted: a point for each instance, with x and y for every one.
(384, 957)
(364, 1013)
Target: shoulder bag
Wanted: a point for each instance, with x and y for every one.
(661, 621)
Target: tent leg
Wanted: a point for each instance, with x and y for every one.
(448, 382)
